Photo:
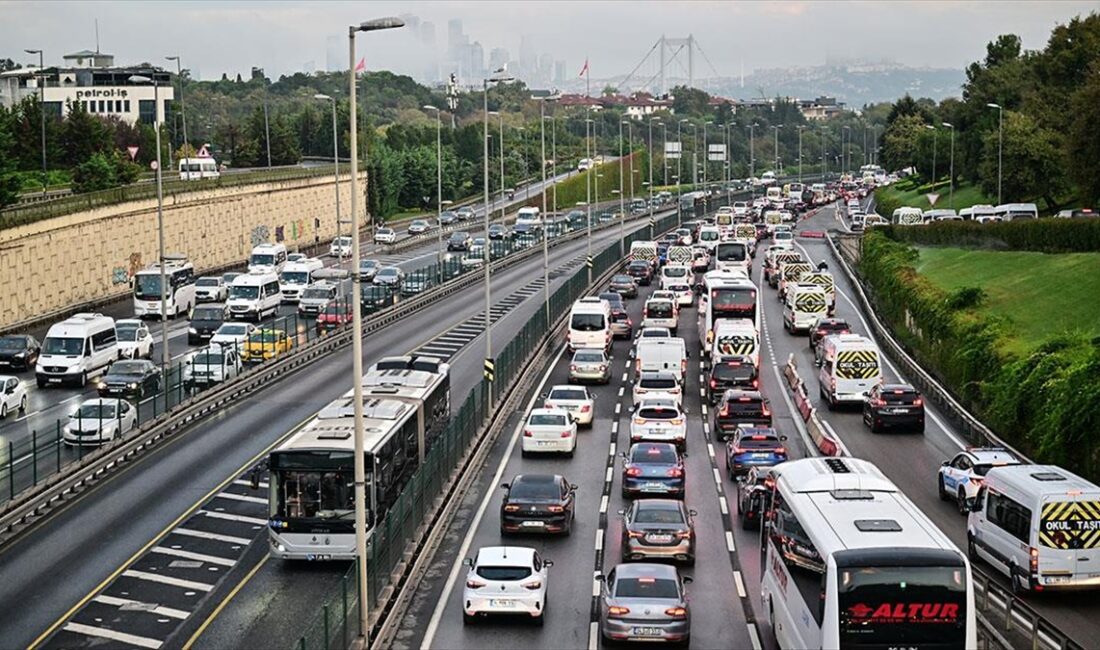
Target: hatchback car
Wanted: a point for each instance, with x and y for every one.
(740, 407)
(211, 288)
(961, 477)
(590, 365)
(266, 344)
(624, 285)
(826, 326)
(340, 247)
(653, 468)
(894, 405)
(376, 297)
(574, 399)
(549, 430)
(659, 419)
(19, 351)
(13, 396)
(232, 334)
(465, 213)
(385, 236)
(657, 384)
(390, 275)
(459, 240)
(644, 602)
(622, 327)
(641, 271)
(505, 580)
(99, 420)
(497, 232)
(660, 312)
(751, 446)
(658, 529)
(335, 315)
(537, 503)
(136, 378)
(448, 218)
(732, 371)
(135, 341)
(368, 269)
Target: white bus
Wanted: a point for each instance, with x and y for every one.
(311, 488)
(196, 169)
(848, 561)
(724, 298)
(180, 296)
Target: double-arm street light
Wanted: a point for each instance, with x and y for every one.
(1000, 146)
(498, 76)
(42, 114)
(800, 127)
(335, 165)
(357, 328)
(545, 216)
(775, 128)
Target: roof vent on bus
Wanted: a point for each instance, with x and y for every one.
(852, 495)
(394, 363)
(427, 364)
(1048, 476)
(878, 526)
(837, 466)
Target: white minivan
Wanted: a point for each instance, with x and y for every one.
(267, 258)
(661, 355)
(1038, 525)
(529, 217)
(589, 325)
(253, 296)
(75, 349)
(296, 276)
(850, 368)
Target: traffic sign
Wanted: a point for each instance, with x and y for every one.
(588, 262)
(133, 152)
(932, 198)
(153, 165)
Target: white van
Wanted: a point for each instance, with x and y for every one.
(253, 296)
(589, 325)
(908, 217)
(1013, 211)
(850, 368)
(197, 169)
(267, 258)
(805, 303)
(661, 355)
(661, 312)
(678, 278)
(529, 217)
(644, 250)
(75, 349)
(1038, 525)
(736, 337)
(296, 276)
(709, 237)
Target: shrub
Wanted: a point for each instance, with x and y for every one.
(1041, 235)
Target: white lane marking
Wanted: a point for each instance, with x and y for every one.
(593, 634)
(704, 409)
(112, 635)
(599, 539)
(24, 417)
(754, 637)
(167, 580)
(624, 376)
(202, 534)
(618, 408)
(724, 505)
(241, 497)
(702, 392)
(188, 555)
(152, 608)
(622, 390)
(611, 450)
(230, 517)
(595, 584)
(603, 504)
(729, 542)
(710, 449)
(456, 566)
(717, 476)
(740, 584)
(610, 475)
(706, 429)
(248, 484)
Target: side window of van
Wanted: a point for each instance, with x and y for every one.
(271, 289)
(101, 340)
(1009, 515)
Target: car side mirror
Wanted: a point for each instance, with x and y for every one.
(547, 563)
(692, 513)
(621, 512)
(573, 487)
(600, 577)
(505, 486)
(945, 463)
(468, 562)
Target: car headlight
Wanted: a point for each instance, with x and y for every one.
(101, 385)
(192, 330)
(20, 355)
(133, 385)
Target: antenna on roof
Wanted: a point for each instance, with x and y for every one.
(97, 36)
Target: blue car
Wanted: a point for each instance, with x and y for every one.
(754, 447)
(653, 469)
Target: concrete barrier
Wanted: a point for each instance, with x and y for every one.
(822, 437)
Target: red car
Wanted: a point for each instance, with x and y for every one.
(334, 316)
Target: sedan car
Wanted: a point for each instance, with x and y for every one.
(731, 371)
(894, 405)
(419, 227)
(497, 231)
(549, 430)
(658, 529)
(390, 275)
(448, 218)
(266, 344)
(99, 420)
(740, 407)
(505, 580)
(641, 271)
(624, 285)
(13, 396)
(659, 419)
(232, 334)
(376, 297)
(590, 365)
(574, 399)
(644, 602)
(385, 236)
(465, 213)
(211, 288)
(459, 240)
(962, 476)
(137, 378)
(613, 298)
(19, 351)
(653, 468)
(134, 339)
(659, 384)
(751, 446)
(368, 269)
(540, 503)
(826, 326)
(417, 283)
(622, 327)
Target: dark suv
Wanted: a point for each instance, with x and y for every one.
(827, 326)
(737, 371)
(136, 378)
(205, 320)
(641, 271)
(894, 405)
(459, 241)
(537, 503)
(739, 407)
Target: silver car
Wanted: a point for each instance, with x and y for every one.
(644, 602)
(590, 365)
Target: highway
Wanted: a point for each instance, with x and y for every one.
(137, 511)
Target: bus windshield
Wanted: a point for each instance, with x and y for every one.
(244, 292)
(902, 606)
(731, 252)
(147, 286)
(261, 260)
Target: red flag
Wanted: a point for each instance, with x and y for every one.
(584, 69)
(362, 65)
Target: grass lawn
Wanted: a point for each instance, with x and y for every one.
(966, 195)
(1041, 294)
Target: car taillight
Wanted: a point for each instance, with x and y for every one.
(537, 584)
(633, 534)
(676, 421)
(878, 402)
(475, 584)
(547, 405)
(918, 402)
(1033, 554)
(781, 450)
(725, 412)
(714, 383)
(765, 410)
(630, 322)
(684, 534)
(633, 471)
(511, 508)
(527, 433)
(573, 366)
(675, 472)
(676, 612)
(586, 408)
(617, 611)
(566, 433)
(556, 509)
(645, 312)
(639, 420)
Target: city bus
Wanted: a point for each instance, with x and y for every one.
(180, 297)
(848, 561)
(724, 297)
(406, 406)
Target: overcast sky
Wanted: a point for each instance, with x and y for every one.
(285, 37)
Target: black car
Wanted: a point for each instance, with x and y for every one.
(624, 285)
(739, 407)
(448, 218)
(826, 326)
(734, 371)
(641, 271)
(19, 351)
(130, 378)
(751, 492)
(376, 297)
(205, 320)
(754, 447)
(497, 231)
(459, 241)
(537, 503)
(894, 405)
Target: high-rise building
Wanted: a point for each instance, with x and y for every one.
(456, 40)
(546, 69)
(427, 33)
(559, 72)
(528, 59)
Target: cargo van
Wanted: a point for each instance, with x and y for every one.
(253, 296)
(296, 276)
(826, 281)
(267, 258)
(660, 312)
(850, 367)
(644, 250)
(908, 217)
(1037, 524)
(75, 349)
(530, 217)
(805, 303)
(589, 325)
(736, 337)
(709, 237)
(1014, 211)
(661, 355)
(791, 273)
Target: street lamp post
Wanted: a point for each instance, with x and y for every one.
(934, 141)
(664, 151)
(1000, 146)
(775, 128)
(846, 144)
(951, 172)
(500, 114)
(545, 216)
(622, 194)
(728, 162)
(42, 114)
(357, 338)
(439, 187)
(752, 159)
(800, 127)
(679, 173)
(335, 166)
(554, 155)
(499, 76)
(179, 77)
(650, 165)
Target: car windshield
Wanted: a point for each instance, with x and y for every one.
(708, 235)
(94, 412)
(663, 454)
(126, 332)
(322, 294)
(388, 272)
(653, 515)
(568, 394)
(294, 277)
(261, 260)
(503, 573)
(366, 265)
(59, 345)
(244, 292)
(546, 419)
(675, 271)
(648, 588)
(233, 330)
(264, 336)
(207, 359)
(658, 382)
(588, 357)
(12, 343)
(658, 413)
(207, 282)
(385, 231)
(534, 489)
(127, 368)
(587, 322)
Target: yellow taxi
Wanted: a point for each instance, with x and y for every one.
(266, 344)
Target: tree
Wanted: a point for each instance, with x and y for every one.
(1083, 139)
(94, 174)
(609, 90)
(901, 142)
(7, 65)
(1034, 165)
(690, 102)
(83, 134)
(9, 180)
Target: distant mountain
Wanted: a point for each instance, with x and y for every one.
(855, 84)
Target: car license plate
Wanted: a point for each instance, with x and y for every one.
(646, 631)
(533, 524)
(502, 602)
(54, 380)
(897, 411)
(763, 455)
(654, 485)
(658, 539)
(546, 443)
(1057, 580)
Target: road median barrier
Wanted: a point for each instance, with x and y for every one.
(821, 435)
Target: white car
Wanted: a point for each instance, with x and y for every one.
(960, 477)
(296, 257)
(340, 247)
(210, 366)
(549, 431)
(385, 236)
(99, 420)
(13, 396)
(783, 239)
(211, 288)
(419, 227)
(505, 580)
(659, 419)
(574, 399)
(134, 339)
(657, 384)
(654, 333)
(232, 334)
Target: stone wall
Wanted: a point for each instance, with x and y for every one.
(50, 266)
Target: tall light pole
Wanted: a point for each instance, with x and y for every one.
(952, 170)
(679, 172)
(357, 338)
(166, 357)
(499, 114)
(934, 140)
(42, 114)
(267, 132)
(498, 76)
(554, 155)
(179, 77)
(335, 166)
(728, 162)
(545, 240)
(775, 129)
(800, 127)
(593, 171)
(439, 187)
(622, 236)
(664, 150)
(752, 158)
(622, 193)
(630, 147)
(1000, 146)
(845, 153)
(706, 165)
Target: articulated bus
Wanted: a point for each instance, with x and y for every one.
(311, 496)
(847, 561)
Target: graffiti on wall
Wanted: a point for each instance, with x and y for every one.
(122, 274)
(260, 234)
